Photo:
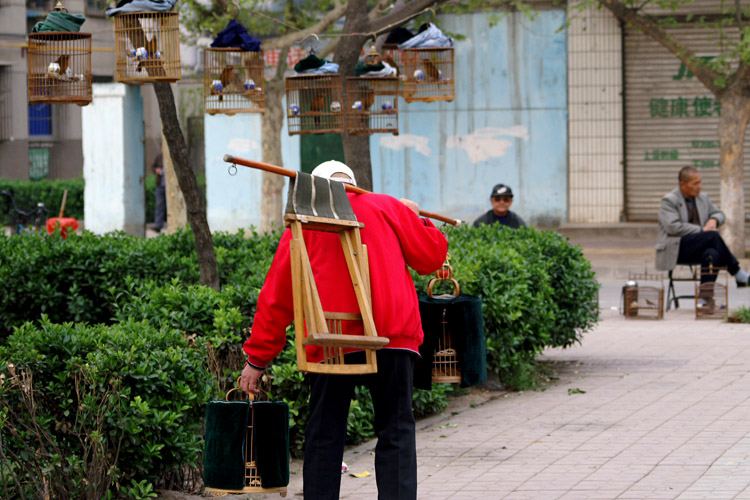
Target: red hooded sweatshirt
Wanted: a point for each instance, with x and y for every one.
(395, 237)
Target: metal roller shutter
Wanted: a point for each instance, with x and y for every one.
(671, 120)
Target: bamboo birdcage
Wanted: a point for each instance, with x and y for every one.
(147, 47)
(429, 74)
(59, 68)
(712, 298)
(314, 104)
(233, 81)
(445, 362)
(371, 105)
(252, 480)
(644, 301)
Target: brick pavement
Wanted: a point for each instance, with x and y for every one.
(665, 414)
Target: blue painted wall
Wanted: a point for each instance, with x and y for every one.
(507, 124)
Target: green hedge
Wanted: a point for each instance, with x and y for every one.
(90, 409)
(50, 192)
(537, 291)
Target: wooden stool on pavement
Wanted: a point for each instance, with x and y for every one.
(319, 204)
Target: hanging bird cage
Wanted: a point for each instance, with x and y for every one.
(314, 104)
(371, 105)
(233, 81)
(712, 298)
(394, 56)
(59, 67)
(644, 301)
(429, 74)
(235, 455)
(147, 47)
(445, 362)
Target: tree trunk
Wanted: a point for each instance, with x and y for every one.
(356, 148)
(273, 184)
(196, 212)
(735, 115)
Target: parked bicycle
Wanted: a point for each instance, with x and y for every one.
(25, 221)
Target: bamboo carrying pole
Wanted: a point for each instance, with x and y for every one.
(349, 188)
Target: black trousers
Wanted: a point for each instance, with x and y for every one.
(708, 248)
(396, 451)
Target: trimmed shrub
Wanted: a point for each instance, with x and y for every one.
(83, 406)
(537, 291)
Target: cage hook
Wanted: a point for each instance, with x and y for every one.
(59, 7)
(312, 47)
(236, 6)
(232, 169)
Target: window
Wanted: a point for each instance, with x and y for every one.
(40, 121)
(38, 163)
(6, 122)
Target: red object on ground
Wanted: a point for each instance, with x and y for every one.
(66, 224)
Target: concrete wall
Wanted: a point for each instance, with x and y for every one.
(508, 123)
(596, 117)
(113, 160)
(233, 201)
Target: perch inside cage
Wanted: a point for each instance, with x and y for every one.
(429, 74)
(321, 336)
(315, 104)
(371, 105)
(712, 295)
(641, 300)
(59, 67)
(233, 81)
(147, 47)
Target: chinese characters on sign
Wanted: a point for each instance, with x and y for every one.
(681, 107)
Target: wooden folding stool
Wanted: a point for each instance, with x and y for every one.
(318, 204)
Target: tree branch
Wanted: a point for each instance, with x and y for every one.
(400, 16)
(288, 39)
(702, 72)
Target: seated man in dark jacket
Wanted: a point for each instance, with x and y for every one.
(688, 224)
(501, 199)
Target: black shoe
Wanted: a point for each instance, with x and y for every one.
(742, 284)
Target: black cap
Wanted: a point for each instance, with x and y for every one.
(501, 190)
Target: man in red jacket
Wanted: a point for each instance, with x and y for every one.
(396, 238)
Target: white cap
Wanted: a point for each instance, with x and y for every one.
(328, 168)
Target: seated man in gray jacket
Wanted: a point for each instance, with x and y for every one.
(688, 223)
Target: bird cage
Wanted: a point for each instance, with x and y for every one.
(147, 47)
(371, 105)
(233, 81)
(246, 446)
(394, 56)
(321, 205)
(644, 301)
(59, 67)
(314, 104)
(712, 298)
(429, 74)
(445, 362)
